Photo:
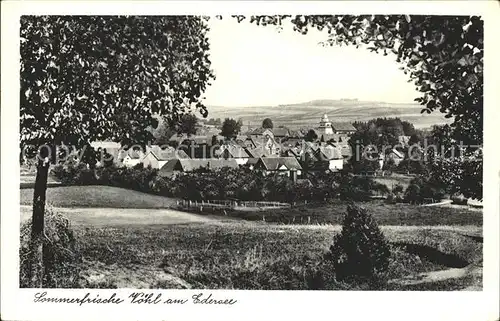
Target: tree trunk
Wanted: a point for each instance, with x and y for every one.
(36, 246)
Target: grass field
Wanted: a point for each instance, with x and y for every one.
(385, 214)
(252, 256)
(309, 113)
(140, 243)
(98, 196)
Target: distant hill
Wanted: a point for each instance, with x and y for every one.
(308, 114)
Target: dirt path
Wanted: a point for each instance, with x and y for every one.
(123, 216)
(472, 271)
(100, 275)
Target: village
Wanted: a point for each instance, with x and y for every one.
(270, 151)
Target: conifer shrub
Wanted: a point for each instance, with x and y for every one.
(359, 253)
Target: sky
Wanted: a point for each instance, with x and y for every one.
(259, 66)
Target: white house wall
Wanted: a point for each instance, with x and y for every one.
(336, 164)
(131, 162)
(241, 161)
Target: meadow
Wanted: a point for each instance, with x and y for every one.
(130, 239)
(233, 255)
(98, 196)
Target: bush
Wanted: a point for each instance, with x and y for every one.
(391, 198)
(398, 188)
(360, 253)
(74, 174)
(358, 188)
(61, 255)
(459, 199)
(422, 188)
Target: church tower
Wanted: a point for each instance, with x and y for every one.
(325, 126)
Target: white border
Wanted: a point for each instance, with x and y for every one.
(17, 304)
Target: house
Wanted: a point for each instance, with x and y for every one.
(240, 139)
(264, 142)
(404, 140)
(395, 155)
(177, 139)
(295, 134)
(131, 157)
(156, 158)
(280, 133)
(258, 152)
(174, 166)
(344, 149)
(251, 162)
(343, 128)
(292, 142)
(330, 155)
(278, 165)
(200, 140)
(325, 126)
(251, 142)
(310, 146)
(235, 152)
(346, 152)
(334, 138)
(292, 152)
(261, 132)
(110, 151)
(208, 130)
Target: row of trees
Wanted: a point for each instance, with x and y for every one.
(226, 183)
(188, 124)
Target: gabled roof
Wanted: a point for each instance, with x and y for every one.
(310, 146)
(397, 153)
(252, 161)
(255, 140)
(275, 163)
(296, 133)
(292, 152)
(260, 131)
(240, 138)
(167, 154)
(235, 151)
(343, 127)
(292, 141)
(258, 152)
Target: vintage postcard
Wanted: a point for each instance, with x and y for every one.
(180, 161)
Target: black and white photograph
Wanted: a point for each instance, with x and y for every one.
(331, 152)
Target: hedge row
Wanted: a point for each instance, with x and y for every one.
(225, 183)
